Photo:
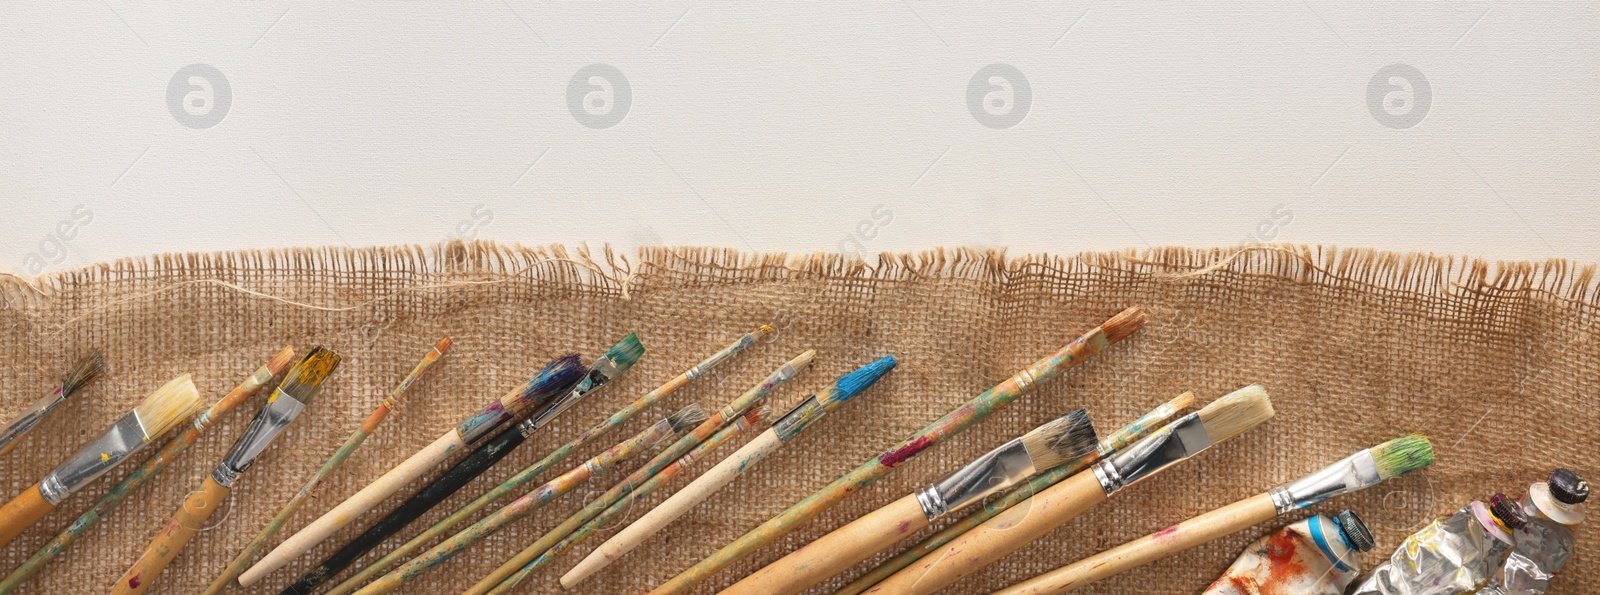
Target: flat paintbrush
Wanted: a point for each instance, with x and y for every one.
(147, 470)
(1069, 438)
(616, 362)
(540, 390)
(87, 370)
(253, 549)
(1116, 441)
(161, 411)
(654, 436)
(555, 457)
(782, 431)
(975, 410)
(299, 387)
(1358, 471)
(729, 413)
(728, 432)
(1007, 532)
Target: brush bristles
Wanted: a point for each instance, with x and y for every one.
(554, 380)
(1182, 401)
(86, 371)
(1065, 438)
(306, 378)
(282, 359)
(1123, 324)
(627, 352)
(850, 385)
(1402, 455)
(1240, 410)
(175, 401)
(687, 418)
(444, 345)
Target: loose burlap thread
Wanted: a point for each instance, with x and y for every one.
(1495, 361)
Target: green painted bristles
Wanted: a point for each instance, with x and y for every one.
(625, 353)
(1402, 455)
(850, 385)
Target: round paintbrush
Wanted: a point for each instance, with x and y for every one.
(1068, 438)
(81, 375)
(1007, 532)
(1359, 471)
(161, 411)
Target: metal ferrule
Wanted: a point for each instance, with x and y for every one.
(1355, 472)
(34, 414)
(124, 438)
(1177, 441)
(268, 423)
(994, 471)
(601, 372)
(797, 419)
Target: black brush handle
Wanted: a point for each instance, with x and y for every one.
(457, 476)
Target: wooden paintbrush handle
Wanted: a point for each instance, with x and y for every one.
(363, 501)
(667, 512)
(1155, 546)
(179, 529)
(837, 551)
(21, 512)
(994, 539)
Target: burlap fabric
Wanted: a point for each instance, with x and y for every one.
(1496, 362)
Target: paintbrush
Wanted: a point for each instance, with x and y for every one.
(161, 411)
(782, 431)
(974, 411)
(654, 436)
(147, 470)
(732, 411)
(87, 370)
(750, 419)
(1358, 471)
(298, 388)
(616, 362)
(1116, 441)
(1069, 438)
(1007, 532)
(538, 391)
(554, 458)
(252, 549)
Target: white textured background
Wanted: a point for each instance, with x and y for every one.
(814, 126)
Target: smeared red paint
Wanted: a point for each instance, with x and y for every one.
(1241, 585)
(902, 527)
(904, 453)
(1286, 568)
(1167, 533)
(133, 583)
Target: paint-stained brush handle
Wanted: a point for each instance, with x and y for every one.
(366, 499)
(680, 503)
(21, 512)
(176, 534)
(837, 551)
(1199, 530)
(1000, 536)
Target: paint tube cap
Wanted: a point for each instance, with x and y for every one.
(1507, 511)
(1567, 488)
(1355, 530)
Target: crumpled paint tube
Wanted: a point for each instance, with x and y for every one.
(1543, 546)
(1315, 556)
(1457, 553)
